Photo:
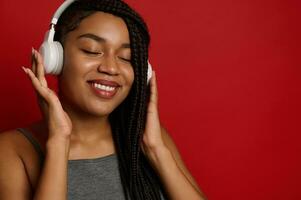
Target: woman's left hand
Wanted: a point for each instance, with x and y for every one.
(163, 154)
(152, 137)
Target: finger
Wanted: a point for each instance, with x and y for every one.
(153, 89)
(43, 91)
(40, 68)
(43, 81)
(33, 62)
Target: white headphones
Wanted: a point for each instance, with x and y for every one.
(52, 51)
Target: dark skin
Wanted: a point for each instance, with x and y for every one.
(110, 60)
(75, 124)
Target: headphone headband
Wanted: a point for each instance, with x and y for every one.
(60, 10)
(52, 51)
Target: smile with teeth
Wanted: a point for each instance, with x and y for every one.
(103, 87)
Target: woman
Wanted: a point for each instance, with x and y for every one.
(101, 136)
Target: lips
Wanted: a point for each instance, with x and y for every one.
(104, 88)
(105, 82)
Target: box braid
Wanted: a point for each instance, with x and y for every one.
(139, 179)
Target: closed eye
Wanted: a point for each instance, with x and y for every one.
(91, 52)
(97, 53)
(127, 60)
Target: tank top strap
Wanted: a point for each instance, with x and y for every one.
(33, 141)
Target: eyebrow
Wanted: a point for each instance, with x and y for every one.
(100, 39)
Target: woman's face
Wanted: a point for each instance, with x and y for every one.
(97, 74)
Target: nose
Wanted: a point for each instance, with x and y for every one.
(108, 66)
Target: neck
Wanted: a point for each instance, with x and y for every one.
(87, 127)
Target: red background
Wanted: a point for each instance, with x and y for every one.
(229, 86)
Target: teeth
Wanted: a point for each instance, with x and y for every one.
(103, 87)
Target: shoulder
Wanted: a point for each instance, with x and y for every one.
(15, 141)
(13, 176)
(17, 154)
(9, 141)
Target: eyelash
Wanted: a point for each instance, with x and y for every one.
(126, 60)
(96, 53)
(90, 52)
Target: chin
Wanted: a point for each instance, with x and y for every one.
(100, 110)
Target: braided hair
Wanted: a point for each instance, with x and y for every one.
(139, 179)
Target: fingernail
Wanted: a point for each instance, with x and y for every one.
(32, 50)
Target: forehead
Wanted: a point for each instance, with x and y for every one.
(105, 25)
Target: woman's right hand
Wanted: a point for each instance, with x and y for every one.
(59, 123)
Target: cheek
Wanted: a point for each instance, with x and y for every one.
(130, 75)
(73, 74)
(76, 65)
(130, 80)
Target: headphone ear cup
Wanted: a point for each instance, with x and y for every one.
(52, 53)
(149, 72)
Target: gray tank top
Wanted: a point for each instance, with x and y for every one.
(89, 179)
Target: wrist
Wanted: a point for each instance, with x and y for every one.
(57, 145)
(57, 140)
(159, 156)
